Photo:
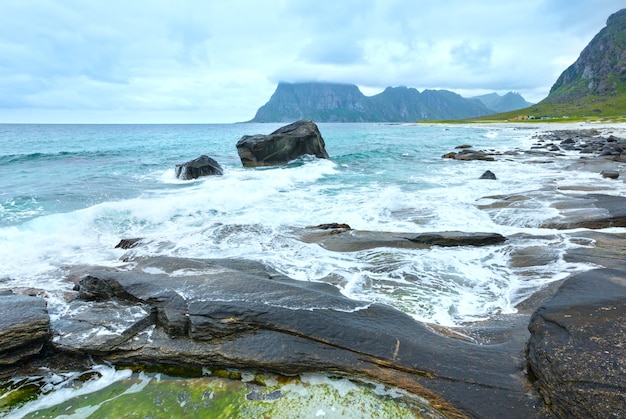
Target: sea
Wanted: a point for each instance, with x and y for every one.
(70, 193)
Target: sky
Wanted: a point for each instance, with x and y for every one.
(209, 61)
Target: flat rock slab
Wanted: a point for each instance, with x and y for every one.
(592, 210)
(256, 318)
(24, 327)
(577, 349)
(342, 240)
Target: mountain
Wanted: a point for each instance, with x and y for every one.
(321, 102)
(600, 70)
(509, 102)
(333, 102)
(594, 85)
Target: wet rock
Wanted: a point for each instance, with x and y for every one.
(610, 174)
(591, 210)
(577, 348)
(282, 146)
(488, 174)
(237, 318)
(467, 155)
(458, 238)
(331, 226)
(357, 240)
(24, 327)
(202, 166)
(588, 142)
(128, 243)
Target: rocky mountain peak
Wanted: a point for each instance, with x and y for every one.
(600, 70)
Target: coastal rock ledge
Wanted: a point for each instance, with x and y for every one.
(577, 347)
(282, 146)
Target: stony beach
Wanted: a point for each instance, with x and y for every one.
(563, 354)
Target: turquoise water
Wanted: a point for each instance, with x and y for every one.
(70, 193)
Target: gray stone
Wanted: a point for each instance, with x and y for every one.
(488, 175)
(282, 146)
(610, 174)
(24, 327)
(202, 166)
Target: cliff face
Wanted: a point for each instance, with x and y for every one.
(330, 102)
(600, 70)
(327, 102)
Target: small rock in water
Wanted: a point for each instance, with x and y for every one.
(611, 174)
(331, 226)
(488, 175)
(128, 243)
(202, 166)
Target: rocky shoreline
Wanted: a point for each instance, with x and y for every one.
(562, 355)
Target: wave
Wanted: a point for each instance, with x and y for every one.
(59, 155)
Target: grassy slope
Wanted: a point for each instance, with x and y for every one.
(587, 108)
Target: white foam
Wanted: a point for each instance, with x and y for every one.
(252, 214)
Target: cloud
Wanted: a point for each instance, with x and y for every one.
(193, 61)
(473, 58)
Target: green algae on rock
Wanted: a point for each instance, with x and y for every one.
(154, 395)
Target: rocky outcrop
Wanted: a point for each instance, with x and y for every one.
(577, 348)
(239, 314)
(282, 146)
(588, 142)
(347, 240)
(24, 327)
(202, 166)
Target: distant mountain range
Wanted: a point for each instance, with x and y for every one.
(334, 102)
(509, 102)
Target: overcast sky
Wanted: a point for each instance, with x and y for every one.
(206, 61)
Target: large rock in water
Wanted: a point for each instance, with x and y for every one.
(202, 166)
(577, 349)
(24, 327)
(283, 145)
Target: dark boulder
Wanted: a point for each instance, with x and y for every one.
(282, 146)
(128, 243)
(468, 155)
(577, 348)
(488, 175)
(202, 166)
(24, 327)
(610, 174)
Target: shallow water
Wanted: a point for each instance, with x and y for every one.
(106, 392)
